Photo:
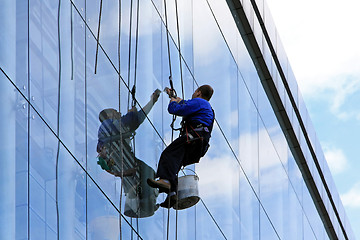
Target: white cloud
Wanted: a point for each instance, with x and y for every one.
(352, 197)
(219, 172)
(322, 45)
(206, 39)
(344, 89)
(336, 159)
(217, 176)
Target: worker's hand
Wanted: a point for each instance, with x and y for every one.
(170, 92)
(167, 90)
(177, 99)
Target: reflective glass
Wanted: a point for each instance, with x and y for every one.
(293, 85)
(270, 25)
(248, 136)
(77, 158)
(295, 176)
(271, 192)
(221, 200)
(267, 229)
(249, 210)
(292, 226)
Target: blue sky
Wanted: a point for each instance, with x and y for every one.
(321, 39)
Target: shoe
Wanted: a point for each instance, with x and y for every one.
(169, 201)
(160, 184)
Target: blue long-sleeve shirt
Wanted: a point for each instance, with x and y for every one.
(196, 110)
(110, 128)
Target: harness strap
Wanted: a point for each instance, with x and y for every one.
(190, 137)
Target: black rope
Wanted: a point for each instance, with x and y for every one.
(86, 129)
(131, 234)
(98, 37)
(168, 44)
(134, 159)
(137, 226)
(58, 125)
(28, 120)
(129, 55)
(179, 47)
(168, 223)
(119, 96)
(182, 91)
(171, 89)
(133, 92)
(72, 41)
(136, 53)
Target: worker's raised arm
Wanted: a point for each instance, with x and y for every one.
(183, 108)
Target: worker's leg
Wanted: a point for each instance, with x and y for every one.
(171, 162)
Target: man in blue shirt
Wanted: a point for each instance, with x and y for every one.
(190, 146)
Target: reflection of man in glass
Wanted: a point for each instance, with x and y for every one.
(192, 144)
(117, 157)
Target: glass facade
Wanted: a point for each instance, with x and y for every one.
(63, 62)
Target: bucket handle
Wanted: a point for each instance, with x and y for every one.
(189, 170)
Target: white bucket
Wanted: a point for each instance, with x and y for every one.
(188, 192)
(140, 208)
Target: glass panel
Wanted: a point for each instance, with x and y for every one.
(295, 175)
(78, 5)
(311, 217)
(249, 211)
(292, 226)
(273, 182)
(220, 197)
(103, 218)
(270, 25)
(267, 229)
(44, 67)
(20, 62)
(248, 137)
(53, 208)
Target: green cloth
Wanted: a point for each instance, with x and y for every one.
(103, 164)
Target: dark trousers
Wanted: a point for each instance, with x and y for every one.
(180, 152)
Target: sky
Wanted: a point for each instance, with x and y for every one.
(321, 39)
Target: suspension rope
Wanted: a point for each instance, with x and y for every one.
(172, 89)
(168, 44)
(29, 128)
(136, 52)
(129, 55)
(133, 90)
(98, 36)
(58, 125)
(182, 91)
(173, 92)
(86, 125)
(72, 41)
(179, 47)
(168, 223)
(119, 96)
